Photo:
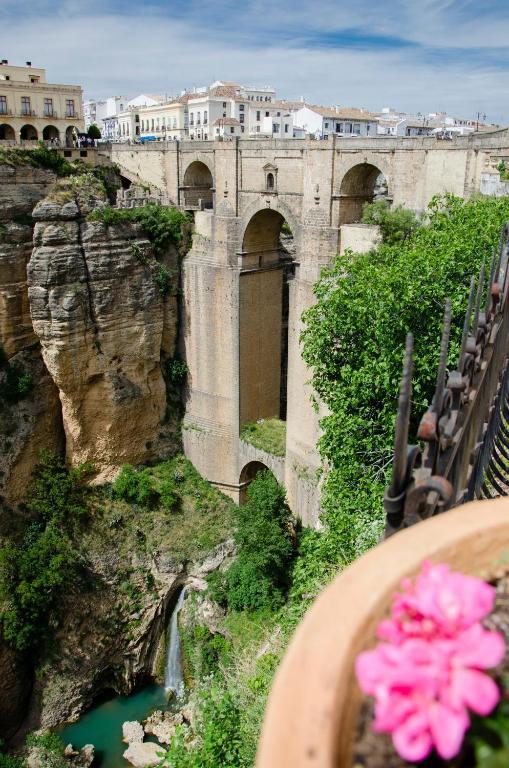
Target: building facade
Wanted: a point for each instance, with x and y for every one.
(32, 109)
(164, 122)
(104, 113)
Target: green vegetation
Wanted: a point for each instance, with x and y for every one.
(39, 157)
(266, 434)
(354, 340)
(186, 516)
(396, 224)
(36, 570)
(163, 226)
(135, 487)
(94, 131)
(9, 761)
(176, 370)
(15, 383)
(48, 749)
(263, 534)
(503, 170)
(163, 279)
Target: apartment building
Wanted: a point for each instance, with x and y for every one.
(323, 122)
(33, 109)
(166, 121)
(104, 113)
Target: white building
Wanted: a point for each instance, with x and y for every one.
(323, 122)
(104, 113)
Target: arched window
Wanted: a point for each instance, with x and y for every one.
(270, 181)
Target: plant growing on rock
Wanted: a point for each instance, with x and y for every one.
(134, 486)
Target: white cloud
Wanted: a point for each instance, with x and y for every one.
(147, 51)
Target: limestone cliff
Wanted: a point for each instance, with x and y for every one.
(30, 422)
(103, 324)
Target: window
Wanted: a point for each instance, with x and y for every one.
(143, 125)
(241, 107)
(34, 79)
(242, 129)
(25, 105)
(164, 122)
(348, 128)
(206, 136)
(270, 181)
(275, 128)
(198, 118)
(174, 122)
(191, 118)
(357, 128)
(258, 116)
(224, 114)
(69, 108)
(286, 127)
(152, 123)
(217, 130)
(278, 114)
(339, 128)
(48, 107)
(326, 125)
(232, 129)
(267, 114)
(241, 117)
(224, 104)
(368, 127)
(205, 117)
(257, 129)
(3, 105)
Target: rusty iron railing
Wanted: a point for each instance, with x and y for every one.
(465, 431)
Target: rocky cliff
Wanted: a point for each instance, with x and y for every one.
(30, 418)
(103, 324)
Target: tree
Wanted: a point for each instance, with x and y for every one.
(94, 132)
(396, 224)
(354, 339)
(260, 574)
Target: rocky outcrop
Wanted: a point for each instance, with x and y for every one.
(144, 755)
(103, 324)
(29, 423)
(132, 732)
(20, 189)
(163, 725)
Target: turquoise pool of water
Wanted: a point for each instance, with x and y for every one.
(102, 726)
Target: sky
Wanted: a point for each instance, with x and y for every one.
(414, 55)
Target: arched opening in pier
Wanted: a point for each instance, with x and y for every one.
(7, 133)
(247, 476)
(28, 133)
(268, 266)
(198, 187)
(71, 136)
(362, 184)
(51, 133)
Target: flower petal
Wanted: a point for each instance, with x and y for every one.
(448, 728)
(477, 690)
(412, 739)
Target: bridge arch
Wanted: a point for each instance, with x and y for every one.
(198, 185)
(358, 187)
(267, 267)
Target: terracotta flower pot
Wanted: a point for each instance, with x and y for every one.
(314, 703)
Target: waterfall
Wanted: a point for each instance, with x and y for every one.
(173, 678)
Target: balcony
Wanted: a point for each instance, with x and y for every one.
(27, 113)
(5, 112)
(51, 114)
(72, 114)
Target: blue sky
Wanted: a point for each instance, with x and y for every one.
(418, 55)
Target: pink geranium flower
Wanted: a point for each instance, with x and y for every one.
(429, 676)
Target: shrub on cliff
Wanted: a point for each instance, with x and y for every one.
(259, 576)
(396, 224)
(135, 487)
(163, 226)
(43, 564)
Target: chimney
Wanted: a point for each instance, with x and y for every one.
(28, 63)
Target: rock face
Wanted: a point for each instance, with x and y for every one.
(163, 725)
(33, 422)
(20, 189)
(15, 676)
(103, 324)
(144, 755)
(132, 732)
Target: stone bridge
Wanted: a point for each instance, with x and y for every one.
(245, 287)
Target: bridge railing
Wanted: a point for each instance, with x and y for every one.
(465, 431)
